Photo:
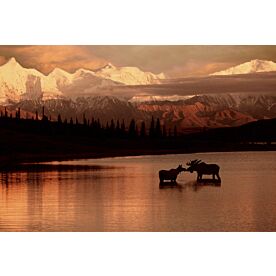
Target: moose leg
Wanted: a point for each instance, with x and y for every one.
(213, 176)
(218, 177)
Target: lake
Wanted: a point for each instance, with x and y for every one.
(123, 194)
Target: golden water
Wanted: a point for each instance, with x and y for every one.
(123, 194)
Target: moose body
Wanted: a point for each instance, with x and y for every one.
(202, 168)
(170, 174)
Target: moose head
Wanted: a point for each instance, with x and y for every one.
(180, 168)
(192, 165)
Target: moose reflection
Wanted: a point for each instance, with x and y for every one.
(202, 168)
(170, 174)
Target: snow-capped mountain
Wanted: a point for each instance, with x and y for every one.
(174, 103)
(18, 83)
(253, 66)
(129, 75)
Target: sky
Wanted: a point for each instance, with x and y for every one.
(175, 61)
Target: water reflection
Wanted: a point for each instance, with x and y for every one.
(197, 186)
(193, 185)
(164, 186)
(123, 194)
(42, 197)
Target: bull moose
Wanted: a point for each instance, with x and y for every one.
(170, 174)
(202, 168)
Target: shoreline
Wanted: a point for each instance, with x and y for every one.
(40, 158)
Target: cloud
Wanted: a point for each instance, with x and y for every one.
(2, 60)
(174, 60)
(183, 60)
(46, 58)
(195, 68)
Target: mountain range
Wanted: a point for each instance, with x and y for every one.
(18, 83)
(220, 100)
(188, 115)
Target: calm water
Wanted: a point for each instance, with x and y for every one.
(123, 194)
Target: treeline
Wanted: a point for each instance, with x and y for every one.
(259, 131)
(40, 123)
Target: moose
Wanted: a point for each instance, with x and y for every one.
(202, 168)
(170, 174)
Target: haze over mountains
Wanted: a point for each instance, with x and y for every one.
(230, 97)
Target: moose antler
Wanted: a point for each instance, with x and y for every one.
(193, 162)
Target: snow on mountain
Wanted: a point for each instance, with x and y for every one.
(15, 81)
(253, 66)
(19, 83)
(61, 77)
(155, 98)
(129, 75)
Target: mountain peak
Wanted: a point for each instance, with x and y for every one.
(109, 65)
(259, 61)
(60, 72)
(252, 66)
(12, 62)
(128, 75)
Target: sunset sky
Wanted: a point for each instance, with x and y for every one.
(175, 61)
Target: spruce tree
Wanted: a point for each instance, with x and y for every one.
(112, 127)
(164, 132)
(151, 130)
(175, 131)
(158, 132)
(71, 121)
(93, 122)
(143, 130)
(118, 130)
(123, 127)
(132, 129)
(59, 119)
(84, 119)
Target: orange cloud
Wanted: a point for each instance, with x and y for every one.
(174, 60)
(2, 60)
(46, 58)
(195, 68)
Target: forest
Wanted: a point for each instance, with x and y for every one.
(38, 138)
